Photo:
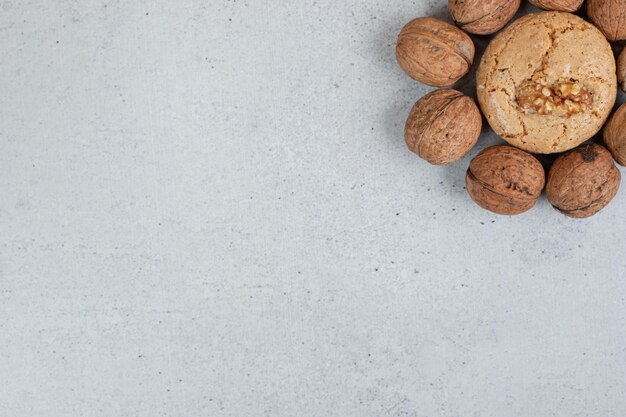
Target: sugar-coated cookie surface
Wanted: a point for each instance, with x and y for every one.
(547, 82)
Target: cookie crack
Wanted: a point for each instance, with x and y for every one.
(546, 54)
(524, 128)
(553, 35)
(497, 54)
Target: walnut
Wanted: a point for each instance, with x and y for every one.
(558, 5)
(609, 17)
(564, 99)
(621, 69)
(615, 135)
(583, 181)
(443, 126)
(482, 17)
(434, 52)
(505, 180)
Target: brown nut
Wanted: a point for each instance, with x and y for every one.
(615, 135)
(505, 180)
(434, 52)
(482, 17)
(558, 5)
(443, 126)
(583, 181)
(609, 17)
(621, 69)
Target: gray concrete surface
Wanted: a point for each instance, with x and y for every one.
(208, 210)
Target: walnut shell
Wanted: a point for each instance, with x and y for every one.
(609, 17)
(583, 181)
(482, 17)
(615, 135)
(558, 5)
(434, 52)
(443, 126)
(505, 180)
(621, 69)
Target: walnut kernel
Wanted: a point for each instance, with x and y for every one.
(564, 99)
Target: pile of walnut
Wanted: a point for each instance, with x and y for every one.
(445, 125)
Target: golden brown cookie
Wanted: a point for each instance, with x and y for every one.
(547, 82)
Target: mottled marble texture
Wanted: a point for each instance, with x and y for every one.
(208, 210)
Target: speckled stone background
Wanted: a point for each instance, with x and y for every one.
(208, 210)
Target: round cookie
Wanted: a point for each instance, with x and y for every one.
(547, 82)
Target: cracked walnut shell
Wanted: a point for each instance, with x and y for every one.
(583, 181)
(505, 180)
(609, 16)
(615, 135)
(434, 52)
(443, 126)
(558, 5)
(482, 17)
